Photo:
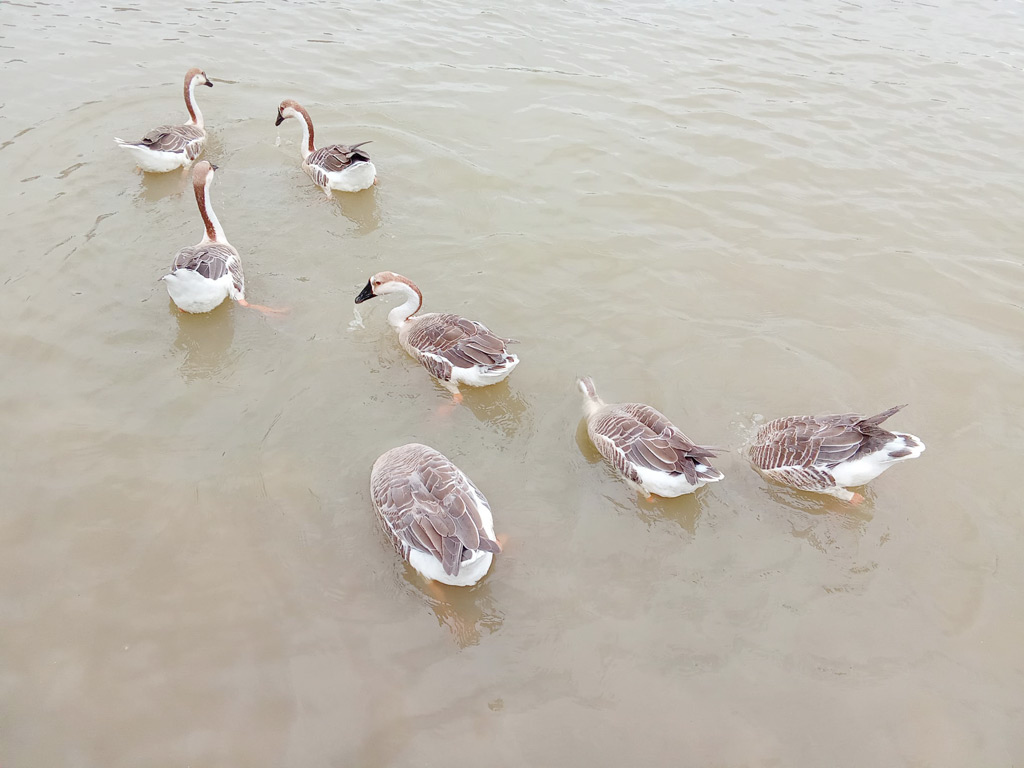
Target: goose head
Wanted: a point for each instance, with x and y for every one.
(202, 174)
(288, 108)
(591, 401)
(586, 385)
(196, 76)
(384, 283)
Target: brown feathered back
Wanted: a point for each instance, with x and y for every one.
(819, 441)
(426, 503)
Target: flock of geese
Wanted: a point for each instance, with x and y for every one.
(435, 516)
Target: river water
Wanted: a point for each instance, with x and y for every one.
(731, 211)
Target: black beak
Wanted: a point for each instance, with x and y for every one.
(280, 118)
(215, 167)
(209, 83)
(366, 293)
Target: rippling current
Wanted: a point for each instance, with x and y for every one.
(727, 210)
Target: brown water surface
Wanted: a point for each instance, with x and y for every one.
(730, 211)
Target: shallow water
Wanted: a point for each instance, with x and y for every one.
(731, 212)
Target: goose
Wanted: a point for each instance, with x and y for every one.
(173, 146)
(827, 454)
(338, 166)
(454, 350)
(203, 275)
(435, 516)
(647, 449)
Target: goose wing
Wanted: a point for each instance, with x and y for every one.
(213, 261)
(337, 157)
(428, 504)
(172, 138)
(635, 435)
(818, 441)
(457, 341)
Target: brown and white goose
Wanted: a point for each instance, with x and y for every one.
(172, 146)
(454, 350)
(645, 447)
(828, 454)
(203, 275)
(343, 167)
(435, 516)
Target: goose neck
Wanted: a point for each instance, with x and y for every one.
(307, 133)
(195, 116)
(401, 314)
(213, 232)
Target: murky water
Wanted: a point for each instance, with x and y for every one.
(728, 211)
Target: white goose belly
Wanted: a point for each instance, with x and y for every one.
(470, 572)
(479, 376)
(194, 293)
(355, 178)
(154, 161)
(666, 485)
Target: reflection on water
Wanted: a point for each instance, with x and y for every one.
(203, 341)
(154, 187)
(360, 208)
(468, 613)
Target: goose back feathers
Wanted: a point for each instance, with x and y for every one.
(827, 453)
(434, 515)
(647, 449)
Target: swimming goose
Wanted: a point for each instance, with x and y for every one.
(172, 146)
(454, 350)
(435, 516)
(203, 275)
(338, 166)
(826, 454)
(645, 447)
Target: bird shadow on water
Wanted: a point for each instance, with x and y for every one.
(360, 208)
(469, 613)
(498, 406)
(824, 522)
(157, 186)
(203, 341)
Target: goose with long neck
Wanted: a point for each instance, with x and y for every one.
(649, 451)
(342, 167)
(454, 350)
(829, 454)
(205, 274)
(173, 146)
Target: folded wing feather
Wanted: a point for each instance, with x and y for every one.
(430, 505)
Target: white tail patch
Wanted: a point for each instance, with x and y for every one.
(867, 468)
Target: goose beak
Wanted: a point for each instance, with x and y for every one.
(280, 118)
(366, 293)
(215, 167)
(209, 83)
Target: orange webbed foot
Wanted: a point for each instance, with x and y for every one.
(265, 310)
